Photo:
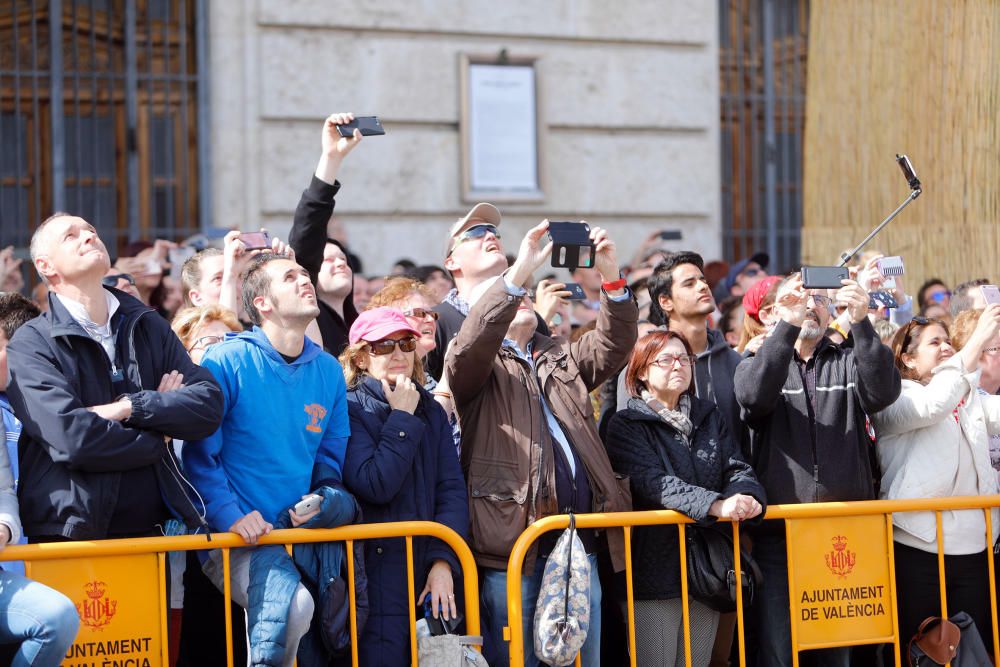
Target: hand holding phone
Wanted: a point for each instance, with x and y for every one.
(369, 126)
(309, 504)
(256, 240)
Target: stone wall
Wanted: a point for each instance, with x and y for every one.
(629, 98)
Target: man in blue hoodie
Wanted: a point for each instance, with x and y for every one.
(285, 414)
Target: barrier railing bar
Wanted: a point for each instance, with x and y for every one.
(738, 570)
(791, 599)
(412, 602)
(227, 593)
(943, 592)
(685, 607)
(840, 644)
(892, 588)
(630, 597)
(352, 602)
(161, 576)
(991, 569)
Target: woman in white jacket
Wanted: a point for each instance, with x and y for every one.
(934, 443)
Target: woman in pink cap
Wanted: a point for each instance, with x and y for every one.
(401, 465)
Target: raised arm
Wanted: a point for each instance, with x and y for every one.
(312, 215)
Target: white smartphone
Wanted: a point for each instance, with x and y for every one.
(308, 504)
(991, 293)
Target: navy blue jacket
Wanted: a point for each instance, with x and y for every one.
(72, 462)
(666, 473)
(401, 467)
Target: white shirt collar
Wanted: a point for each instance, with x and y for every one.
(79, 313)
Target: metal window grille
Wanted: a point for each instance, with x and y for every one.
(763, 45)
(100, 107)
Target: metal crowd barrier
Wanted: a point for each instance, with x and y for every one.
(788, 513)
(227, 541)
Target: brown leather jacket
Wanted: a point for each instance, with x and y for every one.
(507, 453)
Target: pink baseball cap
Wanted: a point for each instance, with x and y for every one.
(378, 323)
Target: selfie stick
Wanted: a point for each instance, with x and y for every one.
(915, 190)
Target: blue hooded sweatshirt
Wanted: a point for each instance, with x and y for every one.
(280, 420)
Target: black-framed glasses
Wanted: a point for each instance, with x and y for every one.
(475, 232)
(668, 360)
(112, 280)
(421, 313)
(388, 345)
(206, 341)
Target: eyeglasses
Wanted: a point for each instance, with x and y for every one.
(421, 313)
(206, 341)
(821, 300)
(992, 351)
(475, 232)
(388, 345)
(668, 360)
(112, 281)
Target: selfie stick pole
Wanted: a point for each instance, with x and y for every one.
(915, 190)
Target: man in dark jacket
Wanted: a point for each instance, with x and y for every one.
(529, 443)
(99, 383)
(806, 401)
(325, 259)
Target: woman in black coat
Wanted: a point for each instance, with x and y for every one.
(680, 456)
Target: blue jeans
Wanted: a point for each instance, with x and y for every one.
(41, 619)
(774, 626)
(493, 592)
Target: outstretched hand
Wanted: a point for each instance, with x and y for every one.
(531, 255)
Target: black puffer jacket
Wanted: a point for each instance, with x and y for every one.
(668, 474)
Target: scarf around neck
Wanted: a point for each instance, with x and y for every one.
(678, 418)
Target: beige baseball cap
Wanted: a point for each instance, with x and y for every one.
(477, 215)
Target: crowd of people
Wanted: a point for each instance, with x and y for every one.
(277, 388)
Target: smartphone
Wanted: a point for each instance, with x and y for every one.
(671, 235)
(308, 504)
(577, 292)
(991, 293)
(369, 125)
(177, 257)
(439, 626)
(907, 168)
(571, 245)
(881, 299)
(823, 277)
(256, 240)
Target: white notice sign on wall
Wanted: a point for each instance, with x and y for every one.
(503, 141)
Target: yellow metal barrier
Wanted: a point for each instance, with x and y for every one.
(788, 513)
(226, 541)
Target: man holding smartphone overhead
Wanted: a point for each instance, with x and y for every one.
(283, 434)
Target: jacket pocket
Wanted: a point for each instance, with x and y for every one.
(624, 492)
(498, 514)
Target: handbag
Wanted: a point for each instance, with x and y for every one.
(712, 573)
(562, 613)
(942, 640)
(450, 651)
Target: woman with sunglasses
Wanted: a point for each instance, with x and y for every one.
(680, 456)
(934, 443)
(401, 465)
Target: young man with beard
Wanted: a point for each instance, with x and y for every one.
(261, 461)
(323, 257)
(806, 401)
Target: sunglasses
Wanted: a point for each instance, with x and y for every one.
(421, 313)
(938, 297)
(475, 232)
(112, 281)
(206, 341)
(388, 345)
(916, 320)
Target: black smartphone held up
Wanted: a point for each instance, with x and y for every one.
(671, 235)
(571, 245)
(576, 292)
(823, 277)
(256, 240)
(907, 168)
(369, 125)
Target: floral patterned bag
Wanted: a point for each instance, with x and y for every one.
(562, 614)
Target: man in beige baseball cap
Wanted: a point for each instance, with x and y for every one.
(473, 253)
